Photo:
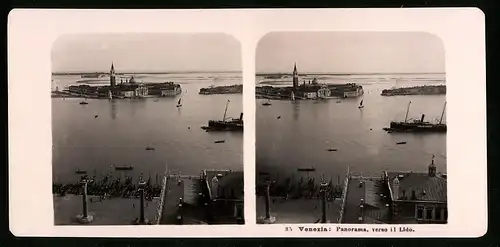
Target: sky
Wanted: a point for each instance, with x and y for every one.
(351, 52)
(146, 53)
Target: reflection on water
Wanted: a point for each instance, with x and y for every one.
(113, 109)
(296, 110)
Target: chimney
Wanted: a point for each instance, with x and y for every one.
(241, 116)
(422, 119)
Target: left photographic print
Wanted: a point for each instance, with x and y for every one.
(147, 128)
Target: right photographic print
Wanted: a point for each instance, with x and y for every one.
(351, 128)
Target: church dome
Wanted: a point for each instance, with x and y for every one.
(132, 80)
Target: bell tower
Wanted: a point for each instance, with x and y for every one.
(295, 76)
(112, 79)
(432, 168)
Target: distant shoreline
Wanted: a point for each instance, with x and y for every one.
(143, 72)
(231, 89)
(338, 73)
(416, 90)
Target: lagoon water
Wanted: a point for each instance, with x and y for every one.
(299, 138)
(124, 128)
(306, 129)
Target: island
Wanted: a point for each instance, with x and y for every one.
(232, 89)
(130, 88)
(417, 90)
(308, 90)
(121, 91)
(274, 76)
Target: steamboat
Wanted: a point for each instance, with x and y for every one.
(418, 125)
(226, 124)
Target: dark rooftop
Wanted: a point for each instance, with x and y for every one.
(427, 188)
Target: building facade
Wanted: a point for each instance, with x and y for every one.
(310, 94)
(171, 91)
(324, 91)
(126, 93)
(353, 91)
(84, 90)
(226, 194)
(141, 91)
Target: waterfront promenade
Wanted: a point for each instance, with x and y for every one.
(183, 189)
(111, 211)
(369, 193)
(300, 210)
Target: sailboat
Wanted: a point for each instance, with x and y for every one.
(179, 104)
(292, 96)
(361, 104)
(267, 103)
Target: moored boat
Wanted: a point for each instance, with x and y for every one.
(308, 169)
(78, 171)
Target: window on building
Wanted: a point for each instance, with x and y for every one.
(428, 213)
(438, 214)
(420, 212)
